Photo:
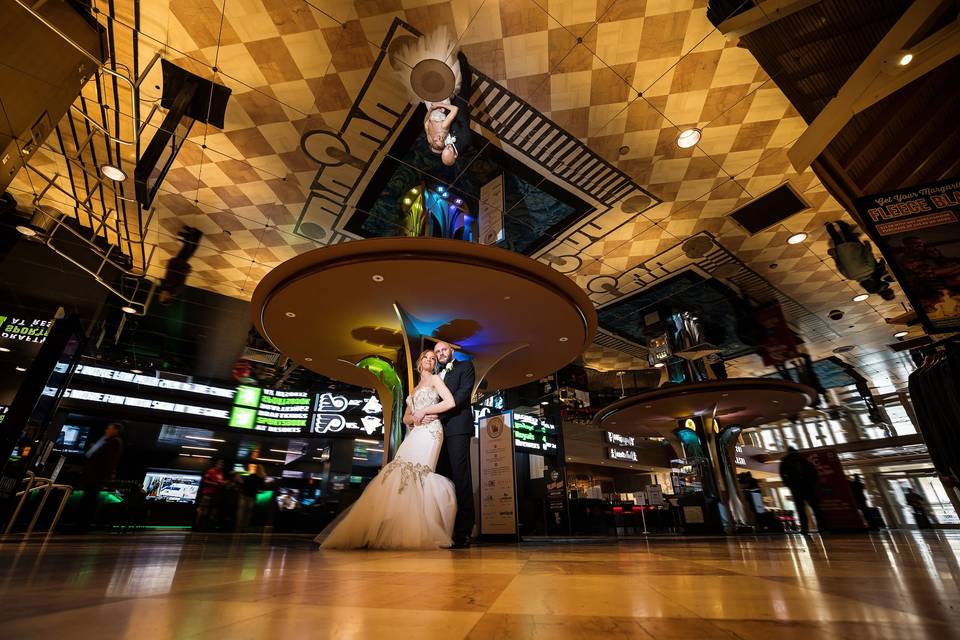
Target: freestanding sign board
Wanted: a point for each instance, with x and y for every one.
(498, 502)
(917, 230)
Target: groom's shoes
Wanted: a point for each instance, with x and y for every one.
(460, 543)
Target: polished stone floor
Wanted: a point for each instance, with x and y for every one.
(896, 585)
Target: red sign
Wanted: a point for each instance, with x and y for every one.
(838, 510)
(779, 343)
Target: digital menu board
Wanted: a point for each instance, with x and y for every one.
(531, 433)
(270, 410)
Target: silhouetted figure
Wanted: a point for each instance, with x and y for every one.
(800, 476)
(102, 460)
(253, 483)
(855, 260)
(211, 488)
(859, 493)
(178, 267)
(920, 509)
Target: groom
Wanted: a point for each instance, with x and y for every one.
(454, 461)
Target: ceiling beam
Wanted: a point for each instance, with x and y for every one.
(761, 16)
(877, 77)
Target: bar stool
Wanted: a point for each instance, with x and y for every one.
(46, 485)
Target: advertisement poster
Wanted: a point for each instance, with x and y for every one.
(491, 211)
(918, 232)
(498, 510)
(837, 508)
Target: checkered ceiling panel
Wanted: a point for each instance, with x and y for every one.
(622, 76)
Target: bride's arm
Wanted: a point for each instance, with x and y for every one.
(408, 415)
(446, 398)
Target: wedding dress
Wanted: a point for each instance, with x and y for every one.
(436, 45)
(407, 506)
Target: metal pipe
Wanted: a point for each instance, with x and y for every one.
(134, 93)
(31, 478)
(36, 514)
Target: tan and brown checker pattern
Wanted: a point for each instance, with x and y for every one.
(624, 76)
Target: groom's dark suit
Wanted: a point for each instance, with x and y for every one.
(454, 461)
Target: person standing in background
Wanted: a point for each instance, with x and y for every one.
(253, 483)
(920, 508)
(102, 460)
(800, 476)
(210, 489)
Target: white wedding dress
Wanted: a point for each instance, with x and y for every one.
(407, 506)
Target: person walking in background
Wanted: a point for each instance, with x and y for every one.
(859, 493)
(102, 460)
(253, 483)
(920, 508)
(854, 259)
(210, 489)
(800, 476)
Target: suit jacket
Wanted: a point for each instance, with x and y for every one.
(459, 380)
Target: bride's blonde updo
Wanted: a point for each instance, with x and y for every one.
(423, 355)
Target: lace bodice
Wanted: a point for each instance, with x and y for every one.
(424, 397)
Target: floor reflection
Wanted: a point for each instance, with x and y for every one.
(899, 585)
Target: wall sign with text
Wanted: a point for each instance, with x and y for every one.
(619, 440)
(624, 455)
(917, 230)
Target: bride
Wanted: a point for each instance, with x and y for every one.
(407, 506)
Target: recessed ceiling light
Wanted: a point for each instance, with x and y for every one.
(624, 150)
(128, 309)
(659, 365)
(112, 173)
(21, 368)
(26, 231)
(900, 334)
(529, 375)
(377, 277)
(689, 138)
(797, 238)
(544, 402)
(4, 350)
(564, 339)
(290, 314)
(905, 58)
(407, 201)
(506, 297)
(860, 297)
(136, 371)
(308, 359)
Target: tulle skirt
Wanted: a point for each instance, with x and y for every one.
(407, 506)
(439, 44)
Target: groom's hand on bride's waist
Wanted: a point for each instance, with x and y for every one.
(430, 417)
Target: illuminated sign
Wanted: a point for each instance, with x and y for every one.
(689, 423)
(3, 412)
(621, 440)
(534, 434)
(270, 410)
(739, 459)
(21, 330)
(629, 455)
(153, 381)
(144, 403)
(335, 413)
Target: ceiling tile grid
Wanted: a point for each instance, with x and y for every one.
(624, 76)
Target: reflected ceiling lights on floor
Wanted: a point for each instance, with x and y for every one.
(689, 138)
(860, 297)
(901, 334)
